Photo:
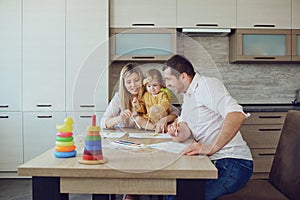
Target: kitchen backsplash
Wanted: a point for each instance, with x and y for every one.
(248, 83)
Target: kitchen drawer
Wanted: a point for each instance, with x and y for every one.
(266, 118)
(261, 136)
(263, 159)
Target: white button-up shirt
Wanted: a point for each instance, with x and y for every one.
(205, 106)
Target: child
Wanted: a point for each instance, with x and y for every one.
(155, 103)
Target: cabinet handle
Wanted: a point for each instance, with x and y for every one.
(87, 106)
(43, 105)
(4, 117)
(4, 106)
(270, 117)
(208, 25)
(143, 24)
(142, 57)
(269, 129)
(85, 116)
(44, 116)
(266, 154)
(264, 25)
(264, 57)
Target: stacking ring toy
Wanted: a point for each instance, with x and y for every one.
(93, 148)
(67, 134)
(65, 148)
(91, 157)
(93, 133)
(64, 139)
(64, 154)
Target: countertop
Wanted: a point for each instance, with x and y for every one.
(270, 107)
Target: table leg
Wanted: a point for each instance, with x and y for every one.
(100, 196)
(47, 188)
(191, 189)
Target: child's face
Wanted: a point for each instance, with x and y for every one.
(153, 87)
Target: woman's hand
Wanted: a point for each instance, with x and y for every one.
(125, 114)
(197, 148)
(135, 102)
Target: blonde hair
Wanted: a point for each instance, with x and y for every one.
(154, 74)
(125, 96)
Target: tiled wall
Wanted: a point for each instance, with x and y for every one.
(248, 83)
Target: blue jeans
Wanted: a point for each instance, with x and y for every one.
(233, 174)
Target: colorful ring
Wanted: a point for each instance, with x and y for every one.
(64, 144)
(95, 152)
(64, 154)
(91, 157)
(93, 148)
(92, 138)
(93, 143)
(93, 133)
(64, 139)
(93, 128)
(65, 148)
(67, 134)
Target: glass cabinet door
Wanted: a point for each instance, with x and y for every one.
(296, 45)
(260, 45)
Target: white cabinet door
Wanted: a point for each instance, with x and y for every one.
(11, 55)
(44, 55)
(11, 143)
(86, 55)
(295, 14)
(264, 14)
(208, 14)
(39, 132)
(141, 13)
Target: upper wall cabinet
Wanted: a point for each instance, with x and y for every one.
(11, 55)
(260, 45)
(43, 55)
(86, 55)
(295, 14)
(264, 14)
(206, 14)
(296, 45)
(142, 13)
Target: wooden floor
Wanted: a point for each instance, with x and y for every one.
(20, 189)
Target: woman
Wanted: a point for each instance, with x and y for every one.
(120, 112)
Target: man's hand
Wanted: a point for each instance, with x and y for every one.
(197, 148)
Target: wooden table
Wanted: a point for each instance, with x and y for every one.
(148, 171)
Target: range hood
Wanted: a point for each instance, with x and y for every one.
(201, 32)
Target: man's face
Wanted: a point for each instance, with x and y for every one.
(172, 82)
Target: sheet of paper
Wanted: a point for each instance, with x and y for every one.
(112, 134)
(149, 135)
(173, 147)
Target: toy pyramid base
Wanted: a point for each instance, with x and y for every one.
(92, 162)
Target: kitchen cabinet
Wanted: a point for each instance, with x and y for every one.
(11, 55)
(206, 14)
(43, 55)
(142, 13)
(142, 44)
(87, 55)
(296, 45)
(261, 131)
(295, 14)
(260, 45)
(11, 143)
(39, 132)
(274, 14)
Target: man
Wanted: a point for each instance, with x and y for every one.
(213, 118)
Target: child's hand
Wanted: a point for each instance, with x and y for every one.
(135, 102)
